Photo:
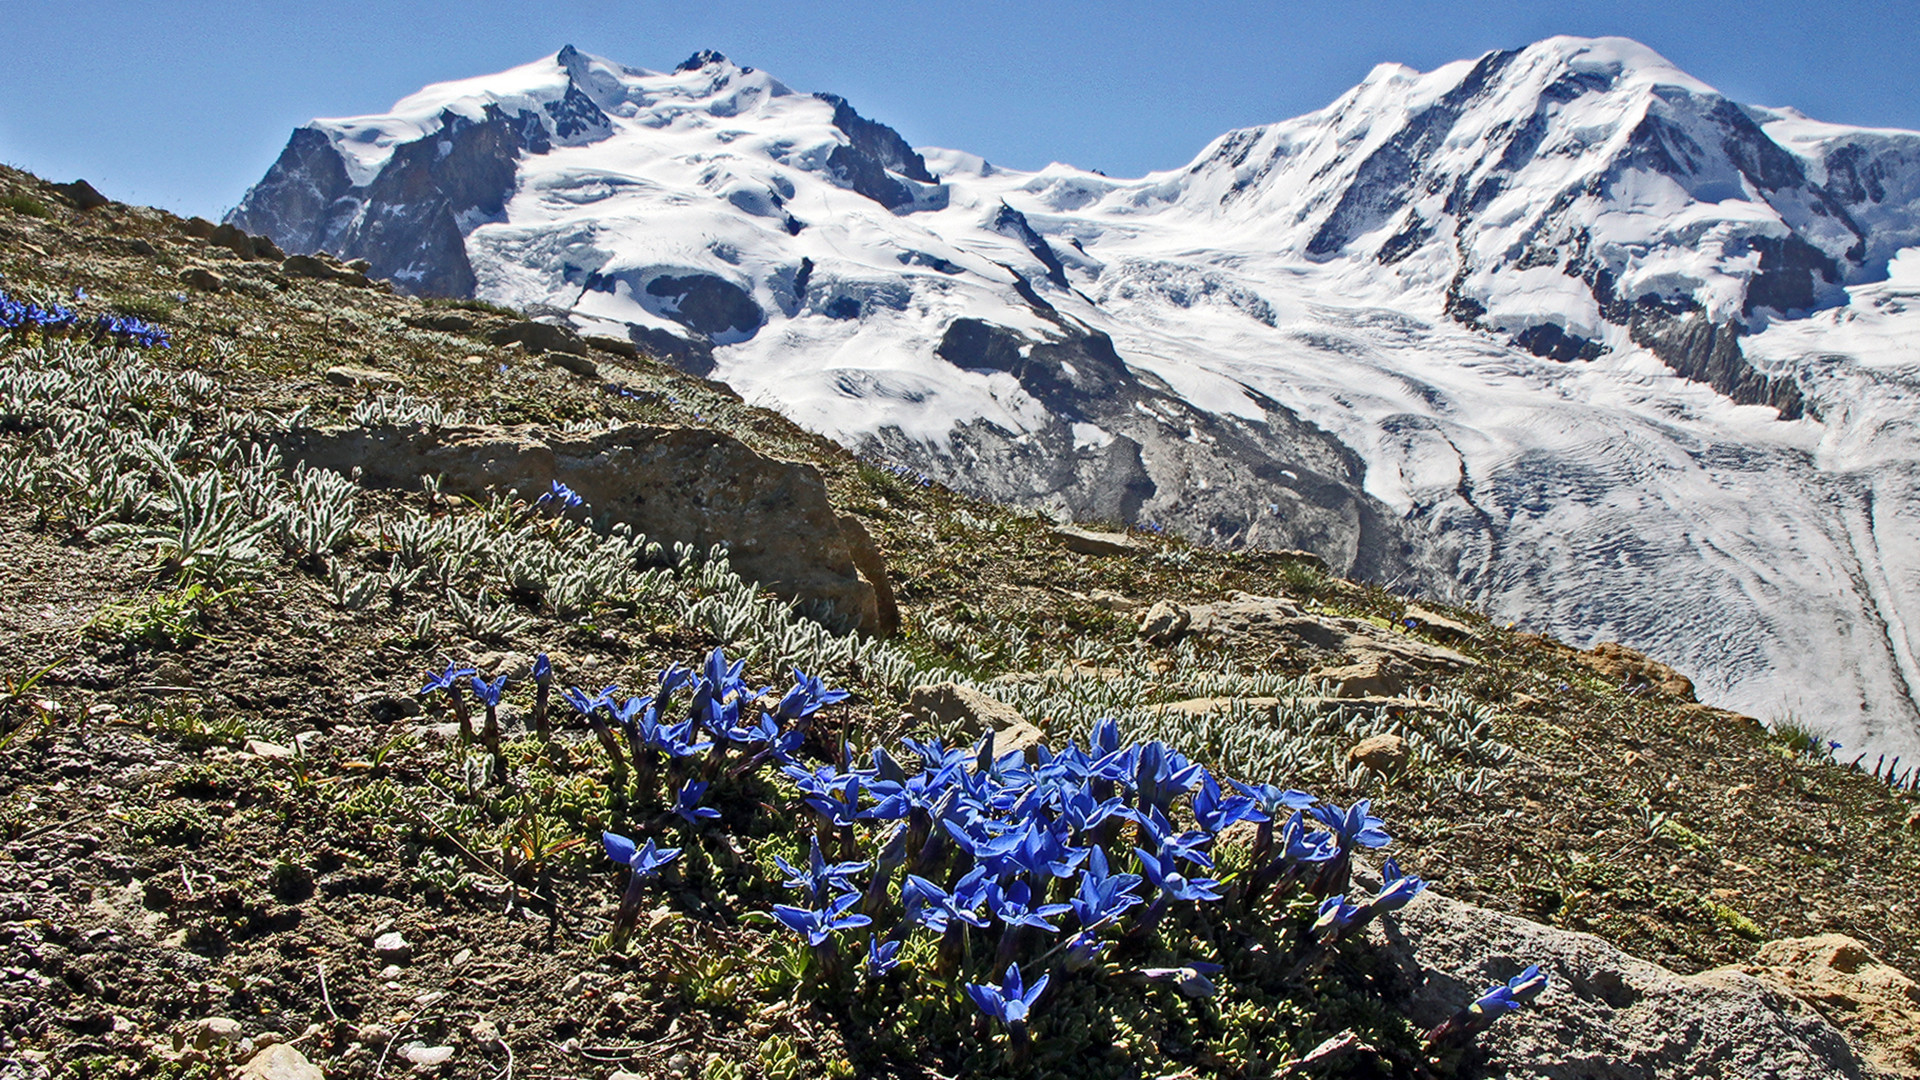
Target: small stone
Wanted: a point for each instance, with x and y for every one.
(1384, 754)
(171, 674)
(372, 1035)
(1164, 622)
(216, 1031)
(351, 375)
(427, 1057)
(1524, 703)
(680, 1065)
(622, 1074)
(265, 749)
(82, 195)
(392, 947)
(484, 1032)
(280, 1061)
(199, 277)
(461, 957)
(390, 973)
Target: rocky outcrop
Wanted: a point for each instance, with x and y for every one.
(1605, 1015)
(676, 485)
(875, 160)
(1277, 619)
(1878, 1006)
(1275, 483)
(1633, 671)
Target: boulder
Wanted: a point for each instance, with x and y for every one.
(1371, 677)
(1091, 542)
(1876, 1005)
(573, 362)
(1164, 623)
(617, 346)
(82, 195)
(971, 715)
(257, 248)
(539, 337)
(1605, 1015)
(1383, 754)
(323, 267)
(349, 375)
(203, 279)
(1444, 627)
(1634, 671)
(280, 1062)
(676, 485)
(1277, 619)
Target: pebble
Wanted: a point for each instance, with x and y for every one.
(484, 1032)
(280, 1061)
(392, 947)
(427, 1057)
(214, 1030)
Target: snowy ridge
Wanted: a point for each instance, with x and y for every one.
(1561, 331)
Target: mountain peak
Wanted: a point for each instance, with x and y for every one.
(703, 58)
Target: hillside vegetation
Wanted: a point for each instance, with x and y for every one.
(223, 789)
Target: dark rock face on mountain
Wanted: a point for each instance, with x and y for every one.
(407, 223)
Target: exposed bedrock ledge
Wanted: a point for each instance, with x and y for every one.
(676, 485)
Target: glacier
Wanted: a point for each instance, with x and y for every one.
(1559, 332)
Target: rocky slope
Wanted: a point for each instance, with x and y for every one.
(1561, 330)
(232, 823)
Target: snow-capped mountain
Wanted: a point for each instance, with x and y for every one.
(1561, 331)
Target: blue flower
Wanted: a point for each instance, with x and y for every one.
(1013, 906)
(1103, 896)
(542, 668)
(1354, 826)
(937, 909)
(818, 926)
(559, 494)
(1009, 1002)
(1271, 801)
(489, 693)
(448, 680)
(1517, 991)
(821, 878)
(646, 861)
(1399, 889)
(807, 696)
(1164, 872)
(882, 956)
(1214, 812)
(686, 804)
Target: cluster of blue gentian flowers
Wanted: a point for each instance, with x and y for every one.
(1017, 870)
(24, 316)
(1052, 862)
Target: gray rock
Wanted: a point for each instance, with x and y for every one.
(539, 337)
(322, 268)
(82, 195)
(1164, 623)
(617, 346)
(971, 714)
(203, 279)
(349, 375)
(578, 365)
(392, 947)
(216, 1031)
(1444, 627)
(1605, 1015)
(1373, 677)
(427, 1057)
(1090, 542)
(675, 485)
(265, 749)
(1276, 618)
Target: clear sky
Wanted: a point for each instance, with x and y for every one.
(184, 104)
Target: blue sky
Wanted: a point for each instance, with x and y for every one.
(184, 104)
